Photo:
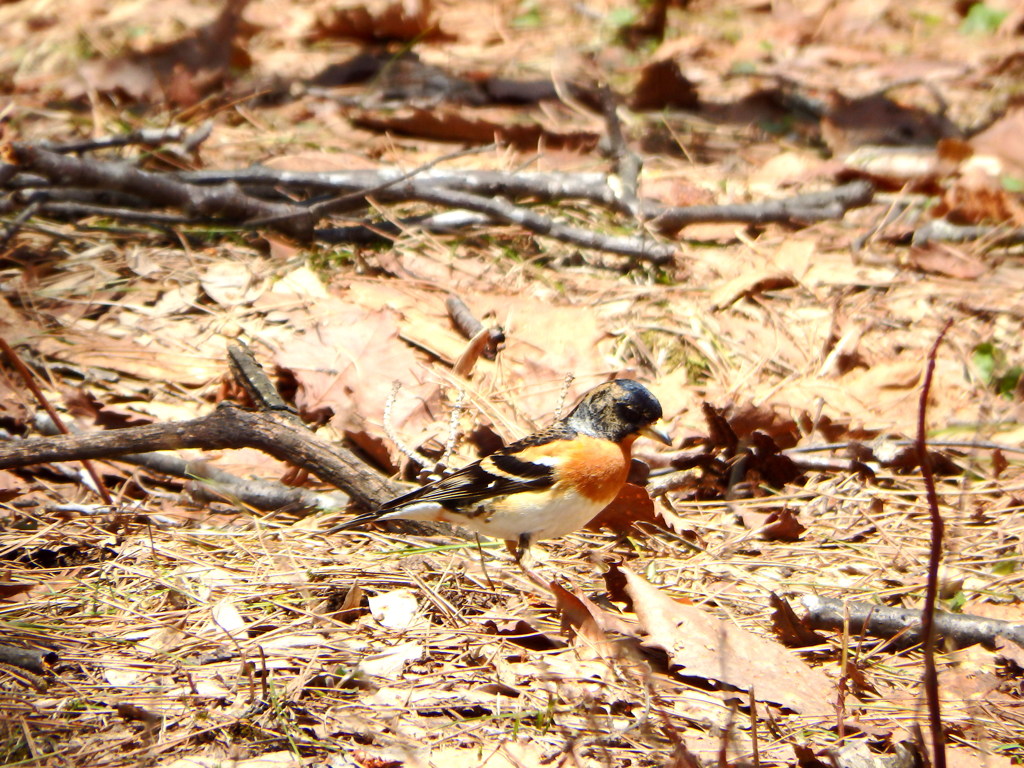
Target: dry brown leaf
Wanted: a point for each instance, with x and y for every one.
(877, 119)
(750, 283)
(163, 640)
(246, 462)
(232, 284)
(795, 256)
(777, 525)
(1012, 612)
(633, 505)
(578, 617)
(662, 86)
(895, 376)
(181, 72)
(302, 284)
(345, 362)
(606, 621)
(481, 126)
(968, 757)
(678, 190)
(944, 259)
(381, 20)
(787, 625)
(12, 589)
(1004, 140)
(970, 683)
(524, 634)
(152, 362)
(789, 169)
(11, 486)
(1010, 651)
(979, 197)
(322, 162)
(782, 525)
(744, 419)
(705, 646)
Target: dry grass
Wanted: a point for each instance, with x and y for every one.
(230, 639)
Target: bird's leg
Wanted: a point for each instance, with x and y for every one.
(521, 552)
(483, 564)
(513, 549)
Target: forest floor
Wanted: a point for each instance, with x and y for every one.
(182, 626)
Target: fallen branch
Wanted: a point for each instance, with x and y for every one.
(227, 427)
(389, 184)
(944, 231)
(392, 185)
(276, 430)
(258, 197)
(905, 624)
(811, 207)
(208, 483)
(224, 201)
(146, 137)
(32, 659)
(502, 210)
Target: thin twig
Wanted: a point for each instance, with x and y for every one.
(948, 232)
(453, 428)
(628, 163)
(504, 211)
(408, 451)
(931, 679)
(563, 393)
(30, 382)
(340, 203)
(147, 137)
(755, 750)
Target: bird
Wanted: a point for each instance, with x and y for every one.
(545, 485)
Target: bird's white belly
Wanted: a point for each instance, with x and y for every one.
(541, 515)
(556, 517)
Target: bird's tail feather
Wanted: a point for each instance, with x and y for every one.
(354, 522)
(426, 510)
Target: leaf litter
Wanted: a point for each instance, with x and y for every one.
(198, 634)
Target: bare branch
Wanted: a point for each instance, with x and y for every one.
(262, 197)
(931, 678)
(227, 427)
(889, 622)
(225, 201)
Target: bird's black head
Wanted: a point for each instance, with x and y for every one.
(619, 409)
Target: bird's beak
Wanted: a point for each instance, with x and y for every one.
(656, 433)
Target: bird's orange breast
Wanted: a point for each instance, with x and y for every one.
(594, 468)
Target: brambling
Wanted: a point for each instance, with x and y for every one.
(547, 484)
